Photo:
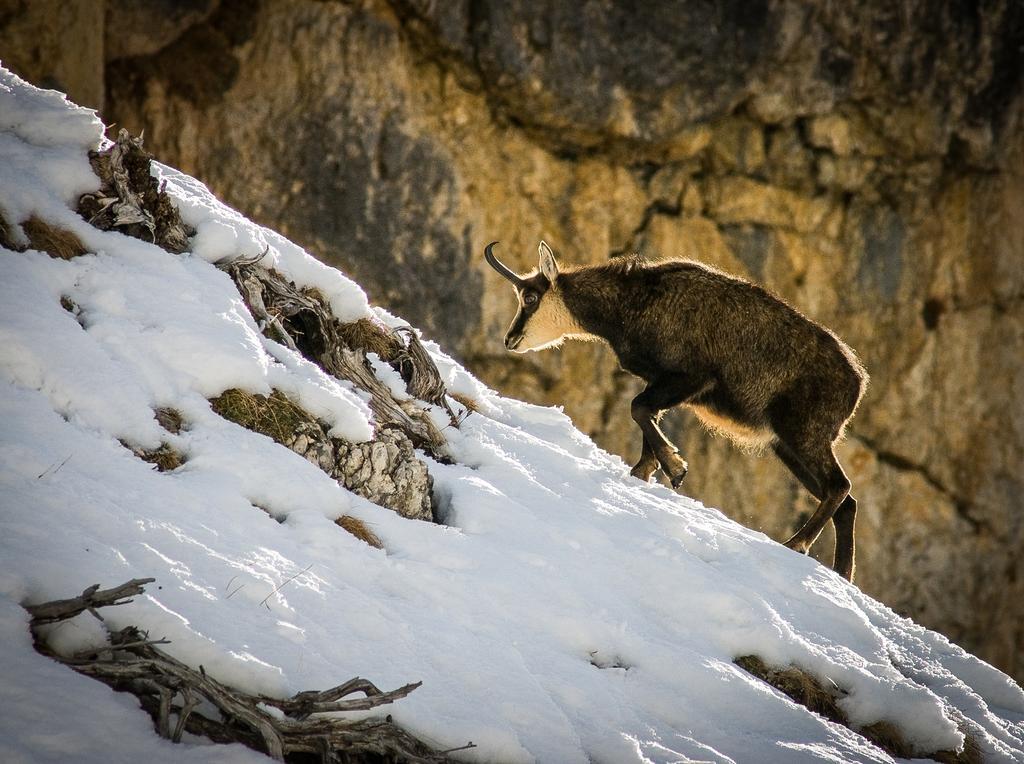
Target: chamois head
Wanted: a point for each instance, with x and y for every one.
(543, 320)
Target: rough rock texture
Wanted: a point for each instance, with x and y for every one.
(384, 470)
(864, 160)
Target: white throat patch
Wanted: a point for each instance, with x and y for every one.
(551, 324)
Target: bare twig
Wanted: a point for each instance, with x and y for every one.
(304, 704)
(163, 721)
(285, 583)
(51, 470)
(190, 705)
(90, 599)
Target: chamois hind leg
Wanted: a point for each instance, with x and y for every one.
(844, 562)
(834, 488)
(646, 408)
(842, 520)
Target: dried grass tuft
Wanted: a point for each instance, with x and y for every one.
(470, 404)
(888, 737)
(274, 416)
(360, 530)
(54, 241)
(371, 337)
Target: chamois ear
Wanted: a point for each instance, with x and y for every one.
(548, 266)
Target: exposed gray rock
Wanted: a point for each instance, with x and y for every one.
(387, 472)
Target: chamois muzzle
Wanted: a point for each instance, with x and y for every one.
(499, 266)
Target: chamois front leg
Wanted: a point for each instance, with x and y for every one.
(646, 408)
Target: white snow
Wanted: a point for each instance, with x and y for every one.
(565, 612)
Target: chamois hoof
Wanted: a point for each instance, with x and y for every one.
(677, 473)
(643, 472)
(847, 574)
(797, 545)
(675, 468)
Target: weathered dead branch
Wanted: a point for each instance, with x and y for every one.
(165, 458)
(130, 199)
(303, 321)
(174, 694)
(419, 372)
(90, 599)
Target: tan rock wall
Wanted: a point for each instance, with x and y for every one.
(866, 162)
(56, 44)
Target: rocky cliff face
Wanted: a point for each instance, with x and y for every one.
(865, 161)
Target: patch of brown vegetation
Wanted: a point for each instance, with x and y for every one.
(54, 241)
(798, 685)
(808, 691)
(164, 457)
(888, 737)
(370, 337)
(5, 236)
(274, 416)
(170, 419)
(360, 530)
(471, 405)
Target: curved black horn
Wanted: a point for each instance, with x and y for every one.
(500, 267)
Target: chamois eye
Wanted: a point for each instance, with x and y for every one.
(529, 298)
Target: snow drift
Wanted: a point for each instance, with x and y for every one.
(562, 612)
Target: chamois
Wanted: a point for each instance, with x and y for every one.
(748, 365)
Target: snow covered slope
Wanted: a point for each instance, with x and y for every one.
(565, 612)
